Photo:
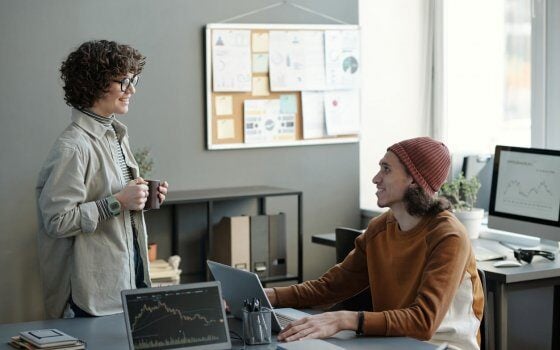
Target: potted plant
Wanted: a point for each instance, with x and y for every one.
(145, 162)
(145, 167)
(461, 193)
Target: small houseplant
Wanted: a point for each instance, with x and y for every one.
(145, 162)
(462, 193)
(145, 167)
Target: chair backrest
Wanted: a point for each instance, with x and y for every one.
(484, 326)
(344, 244)
(345, 241)
(480, 165)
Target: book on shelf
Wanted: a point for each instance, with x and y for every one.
(165, 273)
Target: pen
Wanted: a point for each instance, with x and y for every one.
(259, 329)
(263, 320)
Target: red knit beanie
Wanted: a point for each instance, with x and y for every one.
(426, 159)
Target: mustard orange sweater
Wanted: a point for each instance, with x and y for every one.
(424, 282)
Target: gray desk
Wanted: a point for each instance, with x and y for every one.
(108, 333)
(502, 281)
(328, 239)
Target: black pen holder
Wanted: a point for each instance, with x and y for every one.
(256, 326)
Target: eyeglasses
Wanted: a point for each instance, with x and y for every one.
(126, 82)
(528, 254)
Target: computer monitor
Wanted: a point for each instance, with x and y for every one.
(525, 192)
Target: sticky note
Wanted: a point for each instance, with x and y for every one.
(260, 42)
(260, 86)
(226, 129)
(288, 104)
(260, 63)
(224, 105)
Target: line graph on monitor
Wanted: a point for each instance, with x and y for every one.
(176, 318)
(528, 185)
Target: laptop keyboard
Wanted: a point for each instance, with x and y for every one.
(284, 320)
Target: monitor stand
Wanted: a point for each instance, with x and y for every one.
(510, 237)
(523, 241)
(550, 245)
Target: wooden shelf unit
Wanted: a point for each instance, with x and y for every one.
(209, 196)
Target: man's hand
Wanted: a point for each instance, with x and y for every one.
(133, 196)
(319, 326)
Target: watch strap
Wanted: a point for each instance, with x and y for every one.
(114, 206)
(360, 329)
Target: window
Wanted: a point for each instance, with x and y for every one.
(487, 83)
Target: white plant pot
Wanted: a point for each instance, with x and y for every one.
(471, 219)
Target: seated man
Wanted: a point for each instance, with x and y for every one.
(416, 258)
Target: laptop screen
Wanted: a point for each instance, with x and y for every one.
(188, 316)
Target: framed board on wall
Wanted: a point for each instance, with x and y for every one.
(273, 85)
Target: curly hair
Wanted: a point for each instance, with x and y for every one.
(420, 203)
(88, 71)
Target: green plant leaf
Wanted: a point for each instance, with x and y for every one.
(144, 160)
(461, 192)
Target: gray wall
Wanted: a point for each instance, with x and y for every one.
(167, 115)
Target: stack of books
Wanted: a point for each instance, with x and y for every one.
(46, 339)
(165, 273)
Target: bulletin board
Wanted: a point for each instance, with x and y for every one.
(273, 85)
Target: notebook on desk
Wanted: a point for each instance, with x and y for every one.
(187, 316)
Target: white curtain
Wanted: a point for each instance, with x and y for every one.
(434, 93)
(397, 82)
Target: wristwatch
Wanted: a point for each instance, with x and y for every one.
(114, 206)
(360, 329)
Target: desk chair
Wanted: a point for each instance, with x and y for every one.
(484, 325)
(345, 238)
(480, 165)
(344, 244)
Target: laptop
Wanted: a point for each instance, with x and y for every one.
(187, 316)
(239, 285)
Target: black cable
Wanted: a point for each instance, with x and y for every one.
(235, 336)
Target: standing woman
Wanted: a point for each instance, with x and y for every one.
(92, 235)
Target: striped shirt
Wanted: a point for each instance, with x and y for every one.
(102, 204)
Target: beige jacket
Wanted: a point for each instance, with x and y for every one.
(78, 254)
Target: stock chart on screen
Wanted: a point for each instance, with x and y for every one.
(168, 319)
